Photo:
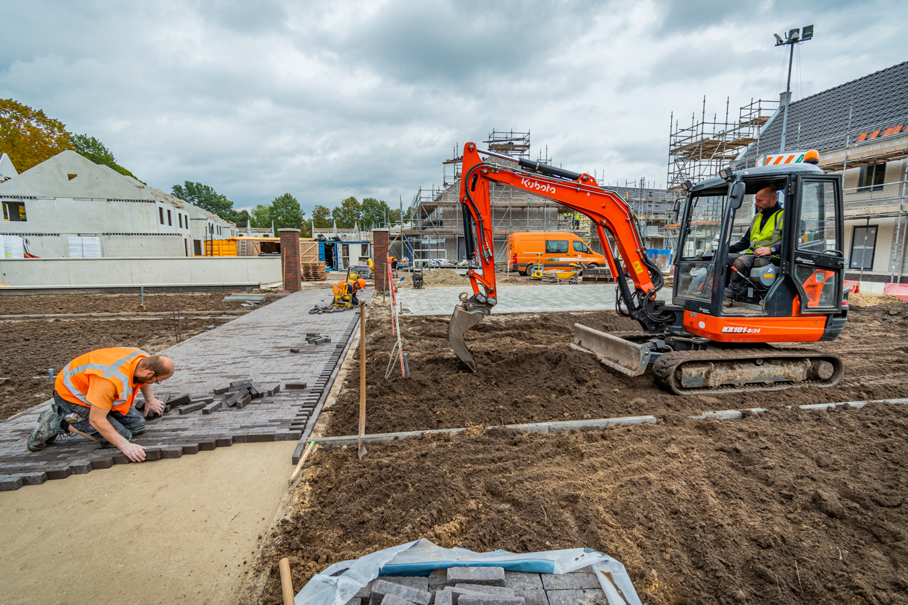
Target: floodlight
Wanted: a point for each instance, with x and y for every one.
(807, 33)
(778, 39)
(794, 35)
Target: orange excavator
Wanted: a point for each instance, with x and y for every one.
(700, 342)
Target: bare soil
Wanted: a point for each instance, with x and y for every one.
(528, 373)
(786, 507)
(28, 347)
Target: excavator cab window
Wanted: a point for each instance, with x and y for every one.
(701, 239)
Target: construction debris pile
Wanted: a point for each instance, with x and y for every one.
(437, 278)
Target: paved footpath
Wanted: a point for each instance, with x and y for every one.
(255, 346)
(519, 299)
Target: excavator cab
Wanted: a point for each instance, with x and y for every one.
(804, 279)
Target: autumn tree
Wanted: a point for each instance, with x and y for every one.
(321, 216)
(94, 150)
(28, 136)
(348, 213)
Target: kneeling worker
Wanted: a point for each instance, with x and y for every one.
(94, 395)
(345, 292)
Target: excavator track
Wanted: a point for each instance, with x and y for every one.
(745, 370)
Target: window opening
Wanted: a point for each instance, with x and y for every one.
(169, 219)
(161, 214)
(14, 211)
(873, 177)
(863, 247)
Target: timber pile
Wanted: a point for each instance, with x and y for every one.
(313, 272)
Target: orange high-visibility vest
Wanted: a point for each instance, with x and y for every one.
(117, 364)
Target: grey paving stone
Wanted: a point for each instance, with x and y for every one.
(355, 601)
(576, 597)
(520, 580)
(487, 576)
(533, 596)
(456, 593)
(570, 581)
(438, 577)
(444, 597)
(382, 588)
(484, 589)
(490, 600)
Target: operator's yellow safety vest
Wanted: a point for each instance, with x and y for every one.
(117, 364)
(771, 233)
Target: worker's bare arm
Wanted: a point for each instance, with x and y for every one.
(98, 419)
(151, 404)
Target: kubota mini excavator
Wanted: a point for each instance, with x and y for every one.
(696, 344)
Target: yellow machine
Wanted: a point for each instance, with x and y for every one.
(345, 291)
(536, 270)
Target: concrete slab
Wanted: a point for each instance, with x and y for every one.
(519, 299)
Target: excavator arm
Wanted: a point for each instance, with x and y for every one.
(579, 192)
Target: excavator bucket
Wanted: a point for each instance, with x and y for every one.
(461, 322)
(619, 354)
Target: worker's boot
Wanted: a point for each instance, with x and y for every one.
(731, 292)
(50, 424)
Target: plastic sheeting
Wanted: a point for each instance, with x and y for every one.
(338, 583)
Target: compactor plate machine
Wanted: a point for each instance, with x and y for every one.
(697, 343)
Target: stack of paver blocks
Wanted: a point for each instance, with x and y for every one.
(483, 586)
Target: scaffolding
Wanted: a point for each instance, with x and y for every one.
(699, 151)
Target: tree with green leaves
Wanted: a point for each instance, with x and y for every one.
(374, 213)
(207, 198)
(284, 211)
(348, 213)
(92, 149)
(322, 217)
(243, 218)
(28, 136)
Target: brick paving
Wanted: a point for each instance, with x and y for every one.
(255, 346)
(519, 299)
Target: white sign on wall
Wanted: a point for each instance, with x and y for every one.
(12, 246)
(84, 247)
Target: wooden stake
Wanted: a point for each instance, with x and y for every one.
(299, 465)
(286, 581)
(362, 380)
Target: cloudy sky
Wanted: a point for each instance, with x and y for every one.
(330, 99)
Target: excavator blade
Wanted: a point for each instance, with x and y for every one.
(462, 320)
(619, 354)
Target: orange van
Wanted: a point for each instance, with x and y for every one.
(558, 249)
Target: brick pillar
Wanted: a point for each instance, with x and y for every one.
(380, 258)
(290, 259)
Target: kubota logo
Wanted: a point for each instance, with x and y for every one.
(543, 187)
(740, 330)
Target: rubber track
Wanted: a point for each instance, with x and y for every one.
(665, 366)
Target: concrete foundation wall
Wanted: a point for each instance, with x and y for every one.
(140, 271)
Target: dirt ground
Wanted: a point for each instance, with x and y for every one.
(28, 347)
(528, 373)
(789, 506)
(786, 507)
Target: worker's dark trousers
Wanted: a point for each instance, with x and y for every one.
(128, 425)
(744, 264)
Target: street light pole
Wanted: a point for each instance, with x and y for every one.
(793, 37)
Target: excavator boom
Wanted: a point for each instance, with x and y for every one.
(579, 192)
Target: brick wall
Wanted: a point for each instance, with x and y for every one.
(380, 248)
(290, 259)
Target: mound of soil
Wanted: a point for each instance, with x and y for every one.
(528, 373)
(786, 507)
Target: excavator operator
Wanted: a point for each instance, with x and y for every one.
(345, 292)
(761, 244)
